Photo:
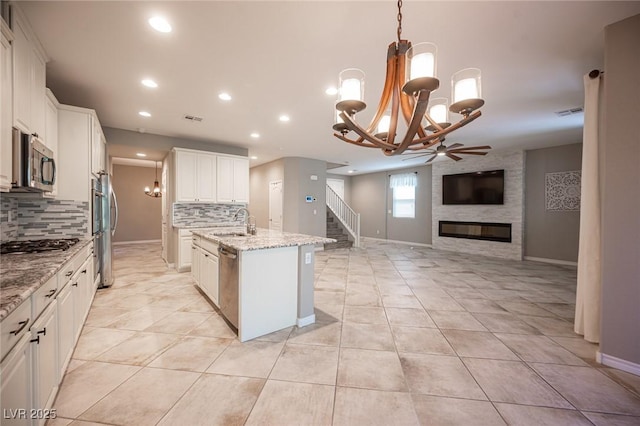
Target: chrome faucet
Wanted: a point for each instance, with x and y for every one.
(235, 216)
(251, 227)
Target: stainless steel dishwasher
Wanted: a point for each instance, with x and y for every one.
(229, 283)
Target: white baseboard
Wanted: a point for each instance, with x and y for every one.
(553, 261)
(302, 322)
(408, 243)
(122, 243)
(620, 364)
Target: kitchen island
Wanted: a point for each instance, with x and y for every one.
(265, 280)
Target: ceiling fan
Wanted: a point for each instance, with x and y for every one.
(452, 151)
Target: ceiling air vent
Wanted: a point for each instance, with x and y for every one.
(194, 118)
(570, 111)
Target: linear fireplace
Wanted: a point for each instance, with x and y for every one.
(487, 231)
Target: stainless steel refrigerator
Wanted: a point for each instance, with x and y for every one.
(105, 221)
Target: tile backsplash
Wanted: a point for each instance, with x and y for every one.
(204, 214)
(8, 218)
(28, 219)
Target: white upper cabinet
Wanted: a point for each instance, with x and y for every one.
(29, 78)
(233, 179)
(6, 107)
(81, 151)
(98, 149)
(195, 176)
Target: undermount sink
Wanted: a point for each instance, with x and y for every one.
(233, 234)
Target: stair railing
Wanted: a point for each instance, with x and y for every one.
(345, 214)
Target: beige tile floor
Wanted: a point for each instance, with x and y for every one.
(404, 336)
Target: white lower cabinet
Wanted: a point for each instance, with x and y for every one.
(205, 267)
(209, 276)
(44, 341)
(38, 339)
(66, 328)
(184, 257)
(16, 387)
(195, 262)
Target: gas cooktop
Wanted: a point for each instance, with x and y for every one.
(37, 246)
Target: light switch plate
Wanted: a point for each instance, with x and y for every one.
(307, 258)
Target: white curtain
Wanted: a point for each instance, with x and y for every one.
(589, 290)
(403, 179)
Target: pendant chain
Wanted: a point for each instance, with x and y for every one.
(399, 20)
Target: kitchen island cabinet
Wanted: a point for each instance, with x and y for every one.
(271, 279)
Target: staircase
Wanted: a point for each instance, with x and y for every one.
(336, 231)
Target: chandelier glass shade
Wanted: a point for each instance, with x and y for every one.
(409, 83)
(155, 192)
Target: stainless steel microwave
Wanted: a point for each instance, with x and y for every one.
(34, 169)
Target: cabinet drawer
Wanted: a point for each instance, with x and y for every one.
(72, 266)
(185, 233)
(43, 296)
(14, 326)
(210, 246)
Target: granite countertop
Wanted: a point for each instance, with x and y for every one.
(264, 238)
(208, 225)
(22, 274)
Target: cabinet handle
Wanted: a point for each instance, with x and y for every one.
(74, 284)
(51, 293)
(68, 274)
(206, 255)
(37, 340)
(43, 331)
(22, 325)
(84, 271)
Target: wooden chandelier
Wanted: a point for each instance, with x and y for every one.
(408, 87)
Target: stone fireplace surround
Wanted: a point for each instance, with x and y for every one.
(511, 212)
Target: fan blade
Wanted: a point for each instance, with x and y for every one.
(473, 147)
(453, 157)
(454, 146)
(470, 152)
(416, 156)
(431, 159)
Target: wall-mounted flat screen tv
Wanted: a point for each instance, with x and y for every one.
(486, 187)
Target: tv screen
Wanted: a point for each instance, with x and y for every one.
(485, 187)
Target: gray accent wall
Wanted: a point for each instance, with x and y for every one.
(512, 211)
(621, 207)
(303, 217)
(550, 234)
(372, 198)
(140, 216)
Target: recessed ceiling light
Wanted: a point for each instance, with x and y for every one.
(255, 135)
(331, 91)
(149, 83)
(284, 118)
(253, 157)
(351, 171)
(224, 96)
(144, 114)
(140, 154)
(160, 24)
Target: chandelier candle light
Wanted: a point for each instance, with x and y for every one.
(409, 82)
(156, 186)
